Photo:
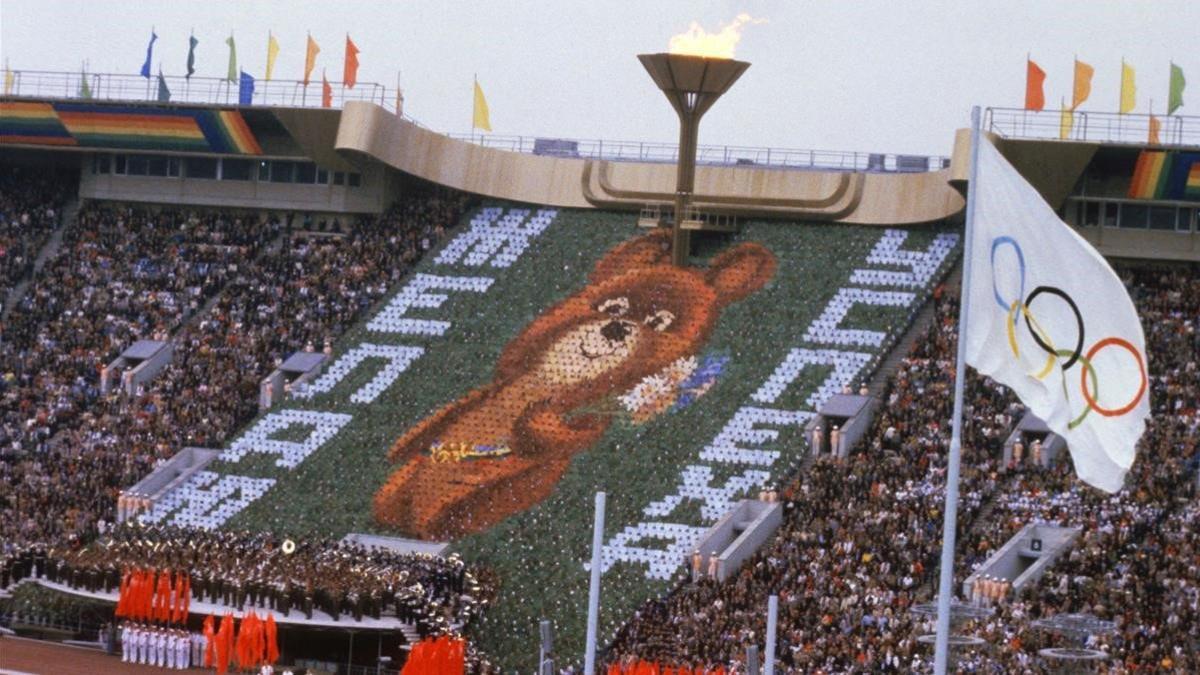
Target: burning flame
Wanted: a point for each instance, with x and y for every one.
(721, 45)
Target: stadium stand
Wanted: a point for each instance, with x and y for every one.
(858, 546)
(31, 208)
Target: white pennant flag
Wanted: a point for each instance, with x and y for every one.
(1049, 318)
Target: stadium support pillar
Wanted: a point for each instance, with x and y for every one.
(589, 660)
(772, 628)
(950, 517)
(692, 84)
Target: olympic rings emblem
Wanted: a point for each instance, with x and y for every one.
(1017, 309)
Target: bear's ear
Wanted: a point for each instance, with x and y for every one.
(645, 251)
(740, 271)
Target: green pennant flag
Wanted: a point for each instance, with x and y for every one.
(85, 90)
(1175, 97)
(164, 94)
(232, 76)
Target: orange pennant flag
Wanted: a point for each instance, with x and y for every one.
(350, 69)
(1082, 87)
(1155, 128)
(326, 92)
(1035, 78)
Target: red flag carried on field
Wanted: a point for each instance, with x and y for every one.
(224, 643)
(272, 640)
(123, 595)
(210, 641)
(350, 70)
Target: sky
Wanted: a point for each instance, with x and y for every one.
(867, 75)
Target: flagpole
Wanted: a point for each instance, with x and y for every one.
(950, 520)
(593, 618)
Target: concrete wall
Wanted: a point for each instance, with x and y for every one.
(367, 130)
(375, 194)
(738, 534)
(165, 478)
(1017, 562)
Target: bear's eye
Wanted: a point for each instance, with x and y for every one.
(614, 306)
(659, 320)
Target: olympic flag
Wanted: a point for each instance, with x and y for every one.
(1049, 318)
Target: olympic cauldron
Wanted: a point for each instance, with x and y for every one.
(692, 84)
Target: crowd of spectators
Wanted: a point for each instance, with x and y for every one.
(31, 206)
(858, 545)
(122, 274)
(236, 294)
(262, 571)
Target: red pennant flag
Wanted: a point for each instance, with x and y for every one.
(1035, 77)
(350, 71)
(272, 640)
(210, 641)
(224, 643)
(326, 92)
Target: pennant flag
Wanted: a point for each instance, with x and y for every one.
(149, 52)
(326, 92)
(350, 69)
(191, 62)
(1155, 127)
(479, 117)
(310, 58)
(1050, 319)
(1175, 96)
(1083, 83)
(1035, 78)
(164, 94)
(9, 78)
(399, 102)
(232, 74)
(245, 89)
(1066, 121)
(272, 640)
(272, 52)
(85, 90)
(1128, 89)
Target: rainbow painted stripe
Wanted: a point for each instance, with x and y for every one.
(32, 124)
(1166, 175)
(1191, 189)
(1150, 175)
(118, 127)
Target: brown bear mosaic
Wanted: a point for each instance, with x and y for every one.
(501, 448)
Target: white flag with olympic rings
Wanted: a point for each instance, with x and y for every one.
(1050, 319)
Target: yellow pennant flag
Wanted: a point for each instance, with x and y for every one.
(1128, 89)
(1066, 122)
(1083, 83)
(272, 52)
(479, 119)
(8, 78)
(310, 58)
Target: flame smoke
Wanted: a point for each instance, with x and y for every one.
(721, 45)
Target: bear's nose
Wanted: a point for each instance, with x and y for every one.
(615, 331)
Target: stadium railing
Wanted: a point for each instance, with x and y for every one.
(57, 85)
(718, 155)
(1109, 127)
(44, 84)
